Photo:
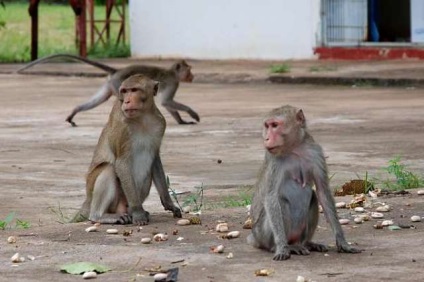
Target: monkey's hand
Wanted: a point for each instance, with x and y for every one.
(344, 247)
(140, 216)
(282, 253)
(176, 212)
(186, 122)
(299, 250)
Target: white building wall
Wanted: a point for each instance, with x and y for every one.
(224, 29)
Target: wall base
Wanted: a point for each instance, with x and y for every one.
(369, 53)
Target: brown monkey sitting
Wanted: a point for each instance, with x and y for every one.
(285, 208)
(127, 159)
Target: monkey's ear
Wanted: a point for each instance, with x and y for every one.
(300, 117)
(155, 87)
(178, 66)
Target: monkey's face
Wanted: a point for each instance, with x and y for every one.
(137, 96)
(273, 134)
(184, 72)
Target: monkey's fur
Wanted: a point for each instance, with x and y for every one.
(284, 208)
(127, 159)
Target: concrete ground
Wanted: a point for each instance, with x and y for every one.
(361, 128)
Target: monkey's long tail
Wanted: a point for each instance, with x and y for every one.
(101, 66)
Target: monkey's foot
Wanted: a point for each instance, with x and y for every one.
(183, 122)
(299, 250)
(314, 247)
(346, 248)
(140, 217)
(283, 254)
(176, 212)
(71, 122)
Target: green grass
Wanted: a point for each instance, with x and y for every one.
(280, 68)
(322, 68)
(56, 32)
(7, 222)
(404, 179)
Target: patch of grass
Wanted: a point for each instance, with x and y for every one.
(62, 218)
(404, 179)
(56, 33)
(322, 68)
(280, 68)
(194, 200)
(241, 200)
(7, 222)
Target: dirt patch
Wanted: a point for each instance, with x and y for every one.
(44, 161)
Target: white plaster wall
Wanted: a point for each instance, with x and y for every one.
(224, 29)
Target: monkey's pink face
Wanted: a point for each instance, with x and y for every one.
(273, 135)
(134, 102)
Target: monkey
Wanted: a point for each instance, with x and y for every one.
(169, 78)
(126, 159)
(284, 206)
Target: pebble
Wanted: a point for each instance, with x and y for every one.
(420, 192)
(91, 229)
(160, 237)
(359, 209)
(415, 218)
(384, 208)
(183, 222)
(16, 258)
(186, 209)
(340, 205)
(358, 220)
(218, 249)
(387, 222)
(300, 279)
(377, 215)
(222, 227)
(344, 221)
(160, 276)
(112, 231)
(11, 239)
(89, 275)
(146, 240)
(233, 234)
(230, 256)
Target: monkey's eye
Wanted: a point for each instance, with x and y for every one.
(274, 124)
(123, 90)
(133, 89)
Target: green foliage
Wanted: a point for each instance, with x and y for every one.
(195, 200)
(404, 179)
(56, 32)
(280, 68)
(8, 220)
(322, 68)
(242, 200)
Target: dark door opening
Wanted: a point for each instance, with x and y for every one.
(389, 20)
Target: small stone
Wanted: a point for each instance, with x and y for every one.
(230, 256)
(16, 258)
(160, 237)
(183, 222)
(359, 209)
(365, 217)
(146, 240)
(89, 275)
(11, 239)
(387, 222)
(112, 231)
(180, 238)
(160, 276)
(340, 205)
(384, 208)
(217, 249)
(91, 229)
(30, 257)
(358, 220)
(415, 218)
(420, 192)
(377, 215)
(344, 221)
(222, 227)
(300, 279)
(232, 235)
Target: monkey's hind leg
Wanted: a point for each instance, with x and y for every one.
(108, 199)
(312, 225)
